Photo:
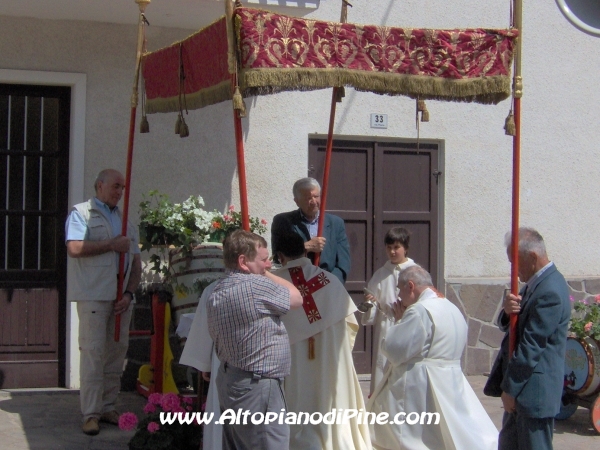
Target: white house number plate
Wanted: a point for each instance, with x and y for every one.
(378, 120)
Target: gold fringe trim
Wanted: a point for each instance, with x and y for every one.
(206, 97)
(486, 90)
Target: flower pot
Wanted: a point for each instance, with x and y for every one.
(582, 366)
(196, 272)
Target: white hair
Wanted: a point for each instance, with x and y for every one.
(419, 276)
(304, 184)
(530, 240)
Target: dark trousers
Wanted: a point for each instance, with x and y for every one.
(520, 432)
(241, 390)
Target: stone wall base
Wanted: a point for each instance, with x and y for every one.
(480, 302)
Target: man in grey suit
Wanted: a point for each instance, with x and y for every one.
(533, 378)
(333, 245)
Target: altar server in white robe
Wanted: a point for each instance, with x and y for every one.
(382, 292)
(321, 336)
(199, 353)
(424, 375)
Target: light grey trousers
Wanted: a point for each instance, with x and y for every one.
(241, 390)
(101, 358)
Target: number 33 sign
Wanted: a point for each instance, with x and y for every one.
(379, 120)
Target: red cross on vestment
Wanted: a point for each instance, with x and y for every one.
(307, 289)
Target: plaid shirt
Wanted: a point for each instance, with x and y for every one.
(244, 321)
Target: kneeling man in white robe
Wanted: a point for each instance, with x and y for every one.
(423, 375)
(322, 377)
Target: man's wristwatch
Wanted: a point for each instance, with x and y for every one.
(130, 294)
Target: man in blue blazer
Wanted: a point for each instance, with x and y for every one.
(533, 378)
(333, 245)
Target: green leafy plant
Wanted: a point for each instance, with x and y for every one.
(585, 320)
(223, 224)
(173, 230)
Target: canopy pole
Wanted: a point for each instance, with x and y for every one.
(325, 183)
(514, 245)
(134, 102)
(241, 166)
(329, 148)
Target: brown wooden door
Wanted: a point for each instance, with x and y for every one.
(34, 149)
(375, 186)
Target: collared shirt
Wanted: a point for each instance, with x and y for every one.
(244, 322)
(312, 225)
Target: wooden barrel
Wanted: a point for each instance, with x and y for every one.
(204, 267)
(582, 366)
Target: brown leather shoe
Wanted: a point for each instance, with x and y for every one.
(111, 417)
(91, 426)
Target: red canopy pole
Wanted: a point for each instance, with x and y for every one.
(134, 101)
(514, 245)
(325, 183)
(241, 166)
(329, 147)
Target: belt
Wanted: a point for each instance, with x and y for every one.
(227, 368)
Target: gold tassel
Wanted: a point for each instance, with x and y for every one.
(510, 129)
(178, 124)
(238, 102)
(311, 348)
(340, 94)
(184, 131)
(421, 106)
(144, 125)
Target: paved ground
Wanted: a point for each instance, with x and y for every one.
(49, 420)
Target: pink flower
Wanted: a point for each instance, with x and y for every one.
(571, 298)
(155, 398)
(231, 208)
(597, 297)
(189, 408)
(263, 221)
(226, 218)
(188, 400)
(178, 409)
(149, 408)
(588, 326)
(128, 421)
(153, 427)
(169, 402)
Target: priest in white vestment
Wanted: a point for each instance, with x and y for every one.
(199, 353)
(321, 336)
(423, 374)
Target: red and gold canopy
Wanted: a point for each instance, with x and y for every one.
(273, 53)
